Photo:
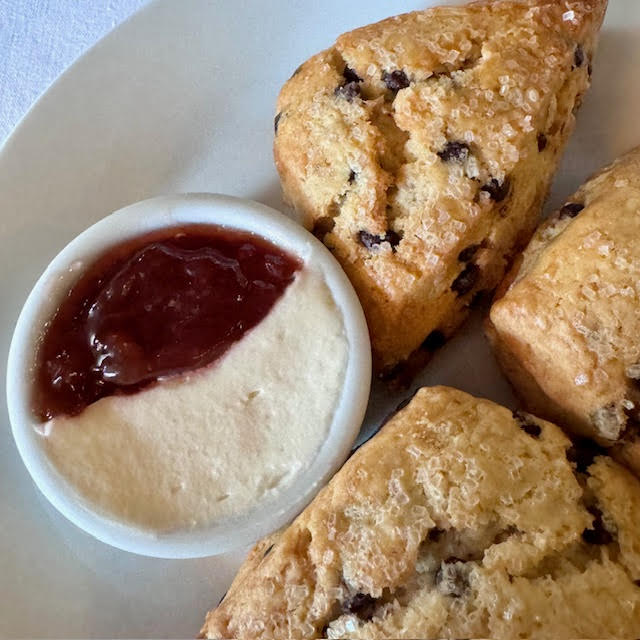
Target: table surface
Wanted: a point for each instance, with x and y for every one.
(41, 38)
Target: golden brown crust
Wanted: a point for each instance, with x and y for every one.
(419, 137)
(459, 519)
(566, 329)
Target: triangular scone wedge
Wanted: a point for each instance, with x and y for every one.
(565, 325)
(421, 148)
(460, 519)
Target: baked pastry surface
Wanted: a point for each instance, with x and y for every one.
(459, 519)
(566, 328)
(420, 150)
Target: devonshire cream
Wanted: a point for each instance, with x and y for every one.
(189, 449)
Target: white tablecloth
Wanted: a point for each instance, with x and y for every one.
(41, 38)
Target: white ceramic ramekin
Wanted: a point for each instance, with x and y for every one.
(135, 220)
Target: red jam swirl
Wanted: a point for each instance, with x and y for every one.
(157, 306)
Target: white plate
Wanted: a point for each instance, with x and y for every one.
(181, 98)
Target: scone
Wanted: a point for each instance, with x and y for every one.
(420, 150)
(458, 520)
(567, 327)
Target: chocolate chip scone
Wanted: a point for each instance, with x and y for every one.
(566, 328)
(460, 519)
(420, 149)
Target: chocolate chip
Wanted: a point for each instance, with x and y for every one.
(323, 631)
(570, 210)
(542, 142)
(352, 176)
(434, 341)
(597, 533)
(267, 552)
(578, 57)
(322, 226)
(590, 70)
(454, 152)
(467, 254)
(497, 190)
(361, 605)
(350, 75)
(393, 238)
(276, 122)
(371, 240)
(527, 423)
(452, 578)
(348, 91)
(480, 298)
(466, 280)
(435, 534)
(395, 80)
(637, 583)
(583, 452)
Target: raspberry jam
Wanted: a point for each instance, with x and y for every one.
(155, 307)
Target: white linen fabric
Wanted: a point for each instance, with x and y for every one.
(40, 38)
